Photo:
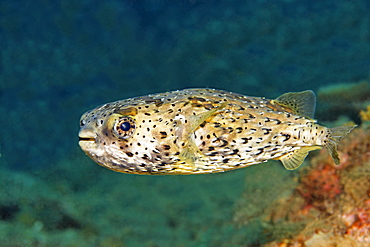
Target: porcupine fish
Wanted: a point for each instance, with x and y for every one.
(196, 131)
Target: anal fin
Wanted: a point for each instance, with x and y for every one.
(294, 159)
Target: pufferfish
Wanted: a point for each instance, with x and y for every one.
(197, 131)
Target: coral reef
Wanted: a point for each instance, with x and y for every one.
(330, 204)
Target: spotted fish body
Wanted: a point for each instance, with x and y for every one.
(196, 131)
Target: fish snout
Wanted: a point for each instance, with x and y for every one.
(86, 135)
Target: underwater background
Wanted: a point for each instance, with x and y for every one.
(60, 58)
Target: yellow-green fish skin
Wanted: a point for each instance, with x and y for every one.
(197, 131)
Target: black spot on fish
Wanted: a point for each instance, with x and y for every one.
(245, 140)
(194, 98)
(277, 121)
(129, 154)
(166, 147)
(260, 150)
(267, 131)
(224, 143)
(287, 137)
(230, 129)
(164, 134)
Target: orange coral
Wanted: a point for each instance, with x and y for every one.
(355, 149)
(359, 226)
(320, 185)
(332, 202)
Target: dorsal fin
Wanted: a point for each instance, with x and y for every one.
(301, 103)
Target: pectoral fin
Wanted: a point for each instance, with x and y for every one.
(294, 159)
(197, 120)
(191, 154)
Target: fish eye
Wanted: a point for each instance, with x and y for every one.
(124, 127)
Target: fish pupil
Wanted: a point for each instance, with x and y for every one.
(125, 126)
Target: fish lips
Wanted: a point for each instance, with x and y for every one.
(87, 139)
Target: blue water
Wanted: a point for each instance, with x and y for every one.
(61, 58)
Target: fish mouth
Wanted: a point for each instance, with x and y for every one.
(86, 135)
(86, 139)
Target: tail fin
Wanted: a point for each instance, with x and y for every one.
(334, 136)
